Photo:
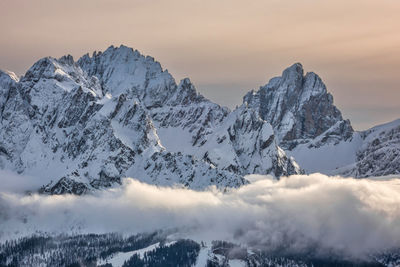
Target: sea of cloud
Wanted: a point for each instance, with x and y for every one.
(299, 214)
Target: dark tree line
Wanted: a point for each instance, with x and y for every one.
(78, 250)
(88, 249)
(183, 253)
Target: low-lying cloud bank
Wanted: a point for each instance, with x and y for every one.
(300, 214)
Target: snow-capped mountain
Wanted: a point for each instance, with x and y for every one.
(313, 131)
(84, 125)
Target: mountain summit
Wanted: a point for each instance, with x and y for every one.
(299, 107)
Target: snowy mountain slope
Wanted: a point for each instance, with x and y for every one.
(379, 154)
(242, 143)
(180, 113)
(84, 125)
(374, 152)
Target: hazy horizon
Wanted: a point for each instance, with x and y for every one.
(227, 47)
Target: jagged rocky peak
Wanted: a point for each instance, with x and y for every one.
(7, 79)
(63, 70)
(50, 82)
(124, 70)
(298, 106)
(186, 94)
(255, 145)
(8, 76)
(49, 67)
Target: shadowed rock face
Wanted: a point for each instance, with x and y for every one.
(298, 106)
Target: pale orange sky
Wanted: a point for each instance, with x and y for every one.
(227, 47)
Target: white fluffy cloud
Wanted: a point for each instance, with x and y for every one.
(313, 213)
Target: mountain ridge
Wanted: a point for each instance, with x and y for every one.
(83, 125)
(66, 124)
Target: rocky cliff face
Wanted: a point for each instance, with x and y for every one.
(313, 131)
(299, 108)
(84, 125)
